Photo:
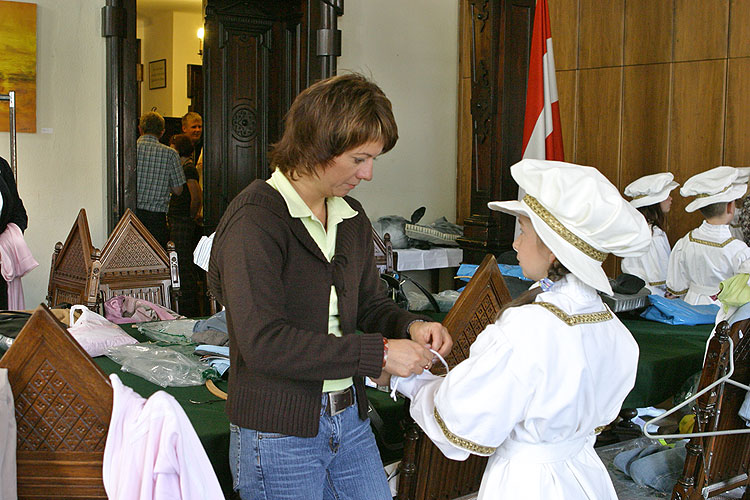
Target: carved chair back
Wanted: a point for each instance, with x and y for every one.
(74, 273)
(385, 257)
(715, 464)
(425, 472)
(134, 264)
(63, 405)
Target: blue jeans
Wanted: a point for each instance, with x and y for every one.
(341, 462)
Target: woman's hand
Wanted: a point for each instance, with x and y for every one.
(406, 357)
(433, 335)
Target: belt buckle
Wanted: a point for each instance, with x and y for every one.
(339, 401)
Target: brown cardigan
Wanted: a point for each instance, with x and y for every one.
(275, 283)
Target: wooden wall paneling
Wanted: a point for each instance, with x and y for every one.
(463, 167)
(736, 145)
(563, 20)
(648, 31)
(600, 33)
(645, 121)
(566, 92)
(696, 130)
(739, 28)
(701, 29)
(598, 115)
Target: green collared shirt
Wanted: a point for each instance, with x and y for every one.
(338, 210)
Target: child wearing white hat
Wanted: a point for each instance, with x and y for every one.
(555, 367)
(651, 196)
(708, 254)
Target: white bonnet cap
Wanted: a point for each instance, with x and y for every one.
(650, 189)
(579, 215)
(718, 185)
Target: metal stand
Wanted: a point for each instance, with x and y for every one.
(11, 98)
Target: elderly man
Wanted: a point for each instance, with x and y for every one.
(159, 173)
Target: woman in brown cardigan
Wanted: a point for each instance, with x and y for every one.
(293, 263)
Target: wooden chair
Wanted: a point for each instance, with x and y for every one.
(63, 404)
(133, 263)
(385, 257)
(425, 472)
(715, 464)
(74, 273)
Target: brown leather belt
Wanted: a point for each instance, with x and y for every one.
(339, 401)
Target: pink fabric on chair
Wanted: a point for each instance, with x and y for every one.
(15, 261)
(122, 309)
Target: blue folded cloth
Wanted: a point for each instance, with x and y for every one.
(466, 271)
(679, 312)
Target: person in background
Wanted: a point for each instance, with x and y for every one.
(293, 263)
(158, 173)
(181, 215)
(192, 126)
(708, 254)
(556, 364)
(740, 224)
(12, 211)
(651, 196)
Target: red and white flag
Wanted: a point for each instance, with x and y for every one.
(542, 133)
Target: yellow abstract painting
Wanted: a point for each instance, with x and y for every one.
(18, 63)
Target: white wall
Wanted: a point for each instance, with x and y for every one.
(63, 171)
(184, 51)
(156, 43)
(410, 48)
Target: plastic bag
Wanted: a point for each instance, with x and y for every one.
(95, 333)
(175, 331)
(679, 312)
(162, 365)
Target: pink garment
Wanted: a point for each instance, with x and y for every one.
(15, 262)
(152, 451)
(122, 309)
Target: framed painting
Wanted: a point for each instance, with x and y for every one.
(18, 63)
(157, 74)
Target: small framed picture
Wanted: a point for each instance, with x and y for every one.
(157, 74)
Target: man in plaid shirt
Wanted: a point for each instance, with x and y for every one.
(158, 172)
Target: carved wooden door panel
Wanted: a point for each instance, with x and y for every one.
(258, 56)
(499, 55)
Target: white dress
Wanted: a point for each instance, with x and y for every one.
(702, 259)
(651, 267)
(536, 386)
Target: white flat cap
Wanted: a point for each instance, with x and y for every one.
(718, 185)
(650, 189)
(579, 215)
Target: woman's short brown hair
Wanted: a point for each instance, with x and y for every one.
(329, 118)
(182, 144)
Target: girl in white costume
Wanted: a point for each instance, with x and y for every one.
(541, 379)
(650, 195)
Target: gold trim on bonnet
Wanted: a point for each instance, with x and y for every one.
(709, 243)
(461, 442)
(639, 196)
(705, 195)
(576, 319)
(563, 231)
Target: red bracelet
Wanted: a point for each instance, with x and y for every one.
(385, 351)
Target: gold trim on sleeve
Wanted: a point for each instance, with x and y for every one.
(576, 319)
(674, 292)
(710, 243)
(563, 231)
(657, 283)
(471, 446)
